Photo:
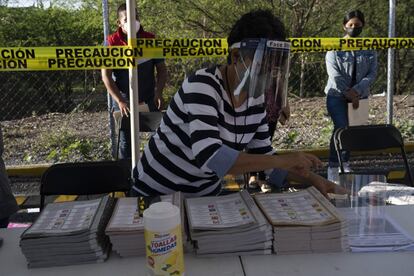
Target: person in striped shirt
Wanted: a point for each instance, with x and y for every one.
(218, 114)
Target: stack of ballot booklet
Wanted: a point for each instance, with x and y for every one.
(126, 226)
(228, 225)
(304, 222)
(68, 233)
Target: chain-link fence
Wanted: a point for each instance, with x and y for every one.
(63, 115)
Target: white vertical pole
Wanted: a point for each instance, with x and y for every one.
(390, 64)
(105, 19)
(133, 85)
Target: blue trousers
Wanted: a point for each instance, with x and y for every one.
(338, 110)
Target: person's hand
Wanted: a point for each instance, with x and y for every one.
(300, 163)
(325, 186)
(284, 115)
(158, 101)
(124, 108)
(352, 96)
(355, 103)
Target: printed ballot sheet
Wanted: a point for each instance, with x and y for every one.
(305, 207)
(66, 217)
(218, 212)
(126, 215)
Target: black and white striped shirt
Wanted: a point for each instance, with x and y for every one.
(200, 137)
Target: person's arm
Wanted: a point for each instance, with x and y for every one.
(114, 91)
(334, 73)
(366, 81)
(161, 80)
(297, 163)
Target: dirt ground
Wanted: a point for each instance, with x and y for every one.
(34, 140)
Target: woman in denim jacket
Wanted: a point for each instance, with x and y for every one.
(348, 82)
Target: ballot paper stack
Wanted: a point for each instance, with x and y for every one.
(126, 226)
(372, 230)
(304, 222)
(68, 233)
(228, 225)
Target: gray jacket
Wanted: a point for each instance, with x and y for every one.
(340, 66)
(8, 205)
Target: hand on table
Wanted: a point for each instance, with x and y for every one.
(325, 186)
(300, 163)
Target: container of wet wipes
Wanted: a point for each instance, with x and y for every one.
(163, 239)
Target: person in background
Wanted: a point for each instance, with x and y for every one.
(216, 123)
(117, 80)
(350, 75)
(8, 204)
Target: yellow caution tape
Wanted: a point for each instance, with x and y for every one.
(348, 44)
(117, 57)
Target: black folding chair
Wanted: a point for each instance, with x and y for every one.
(86, 178)
(370, 138)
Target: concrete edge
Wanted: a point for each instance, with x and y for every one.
(27, 170)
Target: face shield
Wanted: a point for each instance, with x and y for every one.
(266, 69)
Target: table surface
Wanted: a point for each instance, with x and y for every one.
(12, 261)
(341, 264)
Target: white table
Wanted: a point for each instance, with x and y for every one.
(341, 264)
(13, 262)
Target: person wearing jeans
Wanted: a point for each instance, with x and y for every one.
(350, 75)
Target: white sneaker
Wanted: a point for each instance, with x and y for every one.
(333, 174)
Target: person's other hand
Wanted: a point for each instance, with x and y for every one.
(300, 163)
(325, 186)
(124, 108)
(158, 101)
(355, 103)
(351, 94)
(284, 115)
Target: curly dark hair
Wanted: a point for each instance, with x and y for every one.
(257, 24)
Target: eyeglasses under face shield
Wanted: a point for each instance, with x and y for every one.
(266, 72)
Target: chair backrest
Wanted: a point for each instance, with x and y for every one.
(86, 178)
(369, 138)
